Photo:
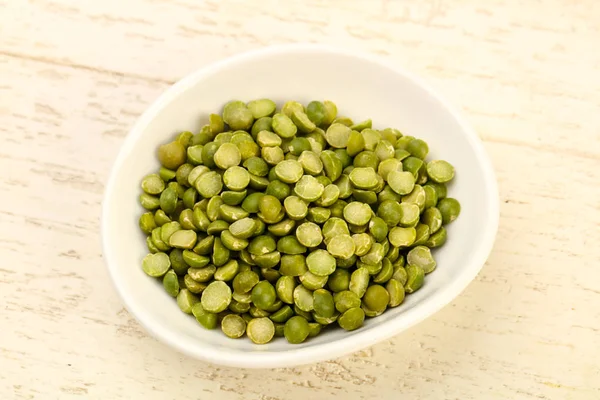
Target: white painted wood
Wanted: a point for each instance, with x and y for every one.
(74, 76)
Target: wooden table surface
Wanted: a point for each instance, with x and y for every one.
(75, 75)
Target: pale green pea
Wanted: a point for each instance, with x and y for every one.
(399, 271)
(233, 326)
(420, 256)
(396, 292)
(302, 121)
(363, 178)
(337, 135)
(261, 108)
(303, 298)
(416, 196)
(311, 163)
(295, 207)
(227, 272)
(183, 239)
(194, 154)
(256, 312)
(422, 234)
(402, 237)
(290, 106)
(169, 229)
(433, 218)
(285, 288)
(416, 276)
(186, 300)
(153, 184)
(333, 227)
(308, 188)
(216, 297)
(371, 138)
(245, 281)
(387, 166)
(401, 182)
(331, 164)
(209, 184)
(236, 178)
(337, 209)
(231, 242)
(330, 195)
(202, 274)
(243, 228)
(237, 115)
(359, 281)
(156, 265)
(346, 262)
(309, 234)
(357, 213)
(260, 330)
(318, 215)
(312, 281)
(171, 155)
(431, 198)
(268, 139)
(344, 185)
(375, 254)
(283, 126)
(440, 171)
(228, 155)
(289, 171)
(384, 150)
(362, 243)
(272, 155)
(341, 246)
(410, 214)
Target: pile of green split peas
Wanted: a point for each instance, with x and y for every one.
(281, 222)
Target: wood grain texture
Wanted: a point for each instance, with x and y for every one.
(74, 76)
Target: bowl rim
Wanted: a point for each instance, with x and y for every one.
(339, 347)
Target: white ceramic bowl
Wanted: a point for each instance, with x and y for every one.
(362, 87)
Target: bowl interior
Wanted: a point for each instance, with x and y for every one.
(362, 89)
